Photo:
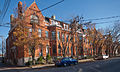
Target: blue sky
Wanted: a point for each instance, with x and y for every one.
(89, 9)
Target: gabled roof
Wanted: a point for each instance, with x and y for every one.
(34, 3)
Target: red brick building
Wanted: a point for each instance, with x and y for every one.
(58, 41)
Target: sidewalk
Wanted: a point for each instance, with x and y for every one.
(40, 66)
(50, 65)
(86, 60)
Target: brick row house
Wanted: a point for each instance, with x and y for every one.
(58, 40)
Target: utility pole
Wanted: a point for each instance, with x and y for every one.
(2, 47)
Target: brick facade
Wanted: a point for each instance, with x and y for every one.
(59, 41)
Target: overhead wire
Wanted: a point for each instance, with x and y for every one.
(6, 9)
(52, 5)
(102, 18)
(41, 10)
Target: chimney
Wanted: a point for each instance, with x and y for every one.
(11, 20)
(19, 9)
(53, 16)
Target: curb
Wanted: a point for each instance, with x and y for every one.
(85, 60)
(42, 66)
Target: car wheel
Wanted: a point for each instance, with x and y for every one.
(76, 63)
(65, 64)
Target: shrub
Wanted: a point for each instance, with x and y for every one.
(29, 63)
(40, 60)
(49, 59)
(89, 57)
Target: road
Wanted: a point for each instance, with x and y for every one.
(109, 65)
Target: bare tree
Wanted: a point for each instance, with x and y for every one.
(113, 39)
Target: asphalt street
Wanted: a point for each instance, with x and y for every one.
(109, 65)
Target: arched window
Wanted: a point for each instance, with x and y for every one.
(34, 19)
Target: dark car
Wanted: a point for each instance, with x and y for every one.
(66, 62)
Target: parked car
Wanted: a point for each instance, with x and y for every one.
(66, 62)
(101, 57)
(98, 57)
(105, 56)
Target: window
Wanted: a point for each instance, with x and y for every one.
(46, 34)
(40, 49)
(67, 49)
(84, 40)
(58, 35)
(67, 37)
(30, 30)
(63, 38)
(64, 26)
(47, 49)
(12, 37)
(91, 50)
(34, 19)
(80, 38)
(53, 35)
(47, 20)
(54, 22)
(39, 32)
(59, 49)
(54, 49)
(71, 38)
(76, 50)
(29, 50)
(88, 41)
(67, 27)
(75, 39)
(85, 50)
(71, 51)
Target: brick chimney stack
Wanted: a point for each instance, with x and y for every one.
(53, 16)
(11, 20)
(19, 9)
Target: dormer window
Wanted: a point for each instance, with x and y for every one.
(34, 19)
(54, 22)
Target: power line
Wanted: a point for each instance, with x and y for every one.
(4, 25)
(52, 5)
(5, 8)
(102, 18)
(107, 22)
(41, 10)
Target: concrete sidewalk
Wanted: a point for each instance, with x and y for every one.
(40, 66)
(86, 60)
(50, 65)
